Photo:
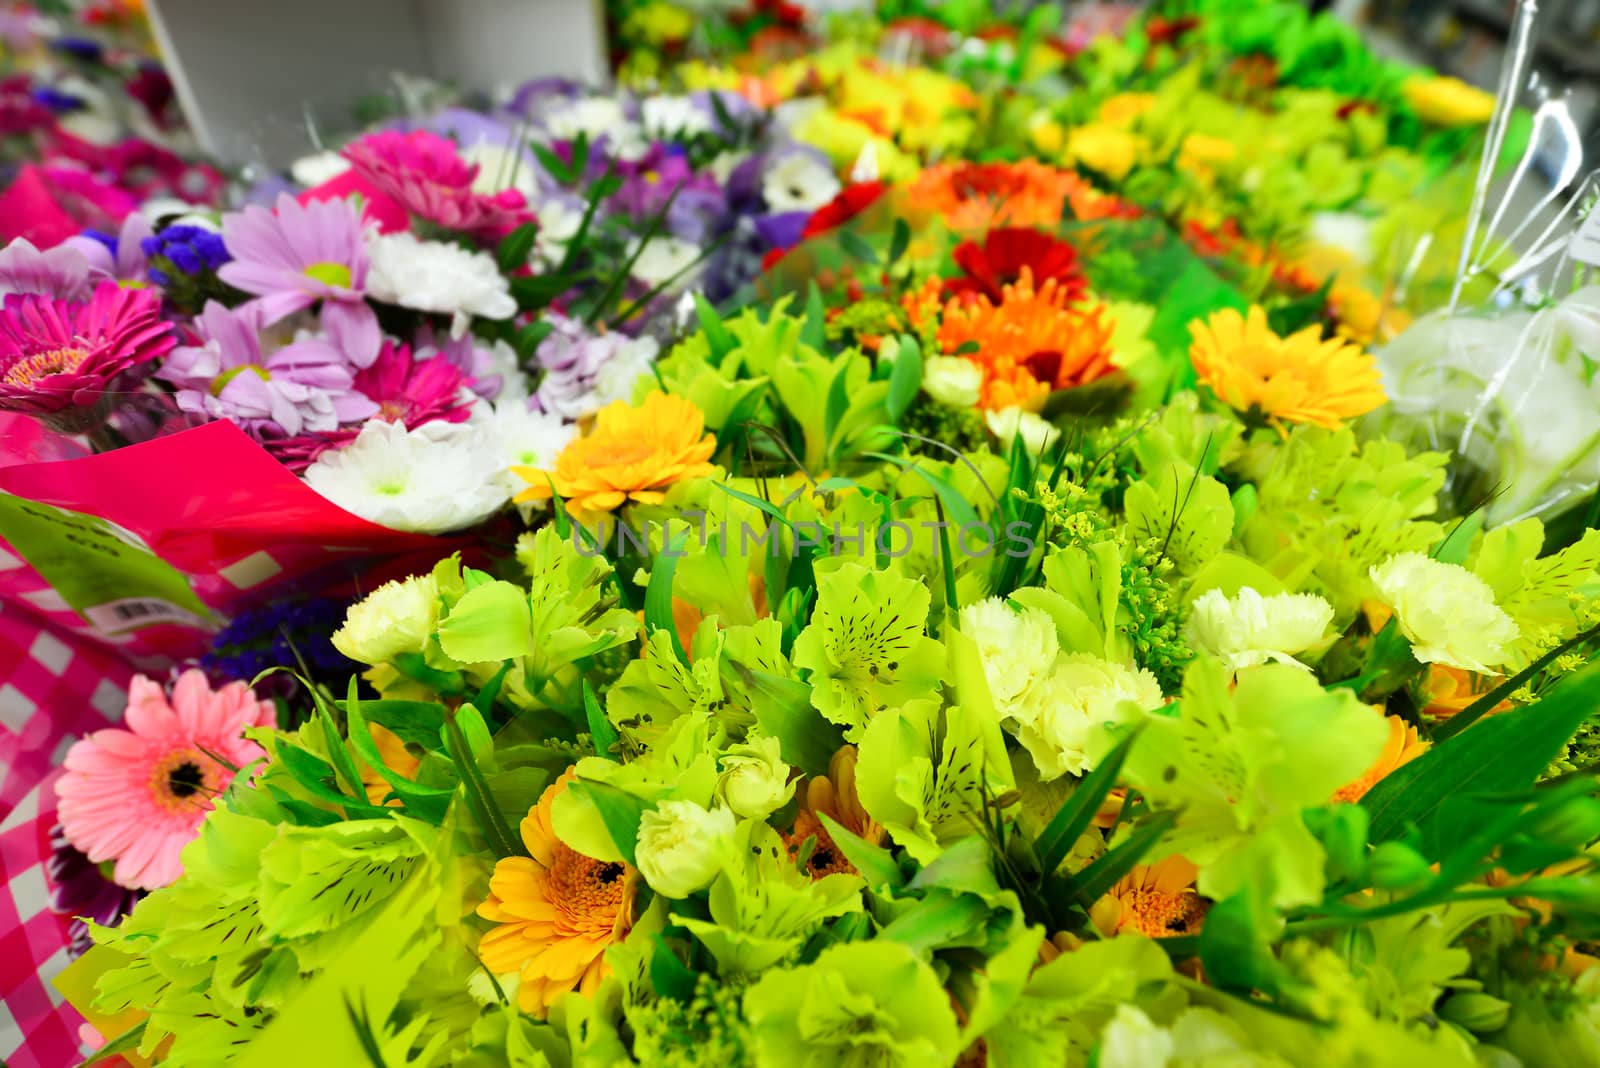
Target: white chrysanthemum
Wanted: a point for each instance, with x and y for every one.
(1018, 647)
(617, 377)
(664, 258)
(395, 618)
(1446, 612)
(682, 847)
(673, 118)
(799, 181)
(1008, 423)
(1250, 629)
(432, 276)
(952, 380)
(595, 117)
(522, 438)
(437, 478)
(1063, 725)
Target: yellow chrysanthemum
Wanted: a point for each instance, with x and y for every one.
(1296, 379)
(1448, 101)
(632, 454)
(1105, 148)
(1124, 108)
(556, 910)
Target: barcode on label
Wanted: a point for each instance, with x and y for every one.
(132, 613)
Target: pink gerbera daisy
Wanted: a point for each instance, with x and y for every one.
(138, 796)
(298, 254)
(428, 177)
(57, 355)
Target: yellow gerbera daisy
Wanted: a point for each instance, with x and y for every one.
(1448, 101)
(1296, 379)
(632, 454)
(556, 911)
(1404, 746)
(1156, 900)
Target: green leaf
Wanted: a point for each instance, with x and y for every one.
(900, 242)
(906, 379)
(416, 722)
(961, 511)
(605, 736)
(444, 683)
(718, 338)
(669, 977)
(875, 863)
(937, 921)
(783, 710)
(515, 247)
(658, 594)
(1236, 943)
(479, 800)
(1092, 883)
(1503, 754)
(814, 331)
(1074, 817)
(312, 772)
(491, 622)
(429, 803)
(858, 247)
(619, 810)
(123, 1043)
(484, 701)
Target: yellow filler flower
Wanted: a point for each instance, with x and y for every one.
(632, 454)
(1296, 379)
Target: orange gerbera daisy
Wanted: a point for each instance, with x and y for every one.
(632, 454)
(982, 196)
(1296, 379)
(1402, 747)
(1156, 900)
(1030, 343)
(1449, 690)
(557, 911)
(834, 796)
(392, 750)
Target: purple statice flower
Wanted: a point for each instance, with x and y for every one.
(305, 387)
(120, 258)
(61, 273)
(279, 634)
(57, 101)
(584, 372)
(78, 888)
(79, 47)
(188, 250)
(296, 255)
(649, 182)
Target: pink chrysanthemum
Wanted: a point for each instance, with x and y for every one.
(428, 177)
(57, 355)
(137, 796)
(296, 255)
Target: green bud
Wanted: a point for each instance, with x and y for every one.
(1343, 832)
(1575, 822)
(1396, 866)
(1476, 1011)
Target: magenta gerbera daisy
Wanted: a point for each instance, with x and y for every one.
(137, 796)
(428, 177)
(58, 357)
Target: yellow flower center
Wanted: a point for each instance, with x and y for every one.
(220, 383)
(332, 274)
(1158, 915)
(30, 369)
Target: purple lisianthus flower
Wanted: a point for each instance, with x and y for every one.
(298, 254)
(61, 273)
(120, 258)
(649, 182)
(584, 372)
(306, 386)
(78, 888)
(492, 370)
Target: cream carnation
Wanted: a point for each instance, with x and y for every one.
(395, 618)
(1446, 612)
(681, 846)
(1249, 629)
(1064, 723)
(1017, 646)
(952, 380)
(755, 780)
(432, 276)
(1008, 424)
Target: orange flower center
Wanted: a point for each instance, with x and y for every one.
(184, 780)
(590, 892)
(1158, 915)
(30, 369)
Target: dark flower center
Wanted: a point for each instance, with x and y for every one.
(610, 873)
(186, 779)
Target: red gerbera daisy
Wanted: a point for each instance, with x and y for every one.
(851, 201)
(988, 268)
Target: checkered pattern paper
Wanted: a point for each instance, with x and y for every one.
(55, 686)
